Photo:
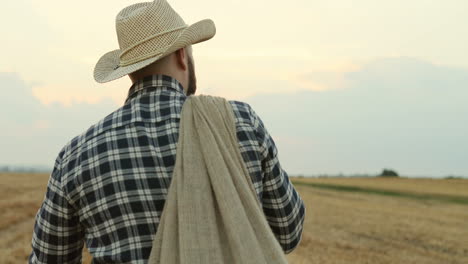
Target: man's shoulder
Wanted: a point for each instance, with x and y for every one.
(243, 112)
(76, 145)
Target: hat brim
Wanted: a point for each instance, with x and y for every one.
(107, 68)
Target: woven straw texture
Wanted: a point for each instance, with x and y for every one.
(147, 32)
(212, 214)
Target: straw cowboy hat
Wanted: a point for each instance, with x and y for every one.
(148, 32)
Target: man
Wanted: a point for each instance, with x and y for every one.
(109, 184)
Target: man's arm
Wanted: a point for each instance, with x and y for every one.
(58, 236)
(282, 205)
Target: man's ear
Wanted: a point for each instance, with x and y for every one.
(181, 58)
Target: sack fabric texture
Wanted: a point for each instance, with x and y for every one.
(212, 214)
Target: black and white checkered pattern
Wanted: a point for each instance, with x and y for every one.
(109, 185)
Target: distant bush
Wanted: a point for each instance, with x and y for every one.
(388, 173)
(451, 177)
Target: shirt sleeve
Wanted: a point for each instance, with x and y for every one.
(57, 236)
(282, 204)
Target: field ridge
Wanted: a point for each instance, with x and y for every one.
(357, 189)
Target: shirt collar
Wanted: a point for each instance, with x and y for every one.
(154, 81)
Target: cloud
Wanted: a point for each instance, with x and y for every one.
(17, 103)
(402, 113)
(328, 77)
(33, 133)
(70, 93)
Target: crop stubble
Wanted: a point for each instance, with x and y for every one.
(340, 227)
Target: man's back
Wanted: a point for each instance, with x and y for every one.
(109, 184)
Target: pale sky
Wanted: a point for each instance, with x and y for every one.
(343, 86)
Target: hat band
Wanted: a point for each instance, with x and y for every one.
(149, 55)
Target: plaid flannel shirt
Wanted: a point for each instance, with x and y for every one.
(109, 185)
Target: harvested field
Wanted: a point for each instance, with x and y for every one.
(454, 187)
(342, 225)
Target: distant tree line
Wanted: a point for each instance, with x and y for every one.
(25, 169)
(385, 173)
